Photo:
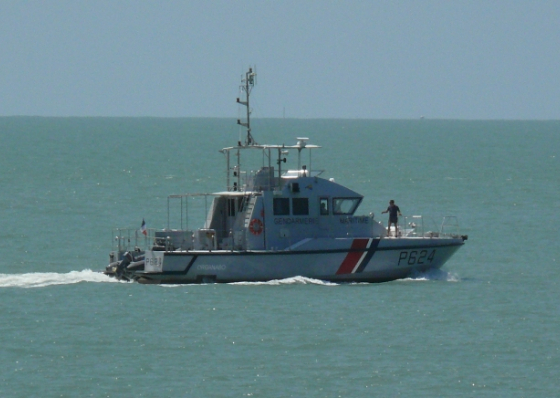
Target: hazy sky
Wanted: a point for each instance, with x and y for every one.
(315, 59)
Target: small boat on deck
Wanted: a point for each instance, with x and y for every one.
(273, 223)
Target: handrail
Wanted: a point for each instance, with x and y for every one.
(418, 226)
(127, 239)
(454, 223)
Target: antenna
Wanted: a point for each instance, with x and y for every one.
(247, 86)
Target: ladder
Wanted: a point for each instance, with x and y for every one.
(250, 205)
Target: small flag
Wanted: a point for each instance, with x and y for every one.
(143, 227)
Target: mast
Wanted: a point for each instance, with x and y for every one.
(247, 86)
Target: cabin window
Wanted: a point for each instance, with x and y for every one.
(231, 207)
(345, 206)
(324, 206)
(281, 206)
(300, 206)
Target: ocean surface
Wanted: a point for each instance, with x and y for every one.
(487, 324)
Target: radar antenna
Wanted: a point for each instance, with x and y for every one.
(247, 86)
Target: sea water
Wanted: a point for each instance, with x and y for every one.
(487, 324)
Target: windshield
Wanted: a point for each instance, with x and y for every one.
(345, 206)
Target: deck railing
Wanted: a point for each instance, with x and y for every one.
(426, 227)
(129, 239)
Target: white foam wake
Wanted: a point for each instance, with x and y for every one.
(296, 280)
(42, 279)
(433, 275)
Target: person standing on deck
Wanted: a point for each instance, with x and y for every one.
(394, 212)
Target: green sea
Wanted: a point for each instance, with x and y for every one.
(487, 324)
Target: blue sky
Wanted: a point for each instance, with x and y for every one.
(314, 59)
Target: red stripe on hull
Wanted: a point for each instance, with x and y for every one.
(352, 258)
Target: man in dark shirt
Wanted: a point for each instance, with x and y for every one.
(393, 210)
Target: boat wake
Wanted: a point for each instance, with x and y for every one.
(432, 275)
(296, 280)
(42, 279)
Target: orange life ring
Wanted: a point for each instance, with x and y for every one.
(256, 226)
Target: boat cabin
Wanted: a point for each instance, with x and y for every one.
(274, 210)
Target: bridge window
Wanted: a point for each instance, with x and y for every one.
(300, 206)
(345, 206)
(281, 206)
(231, 207)
(324, 206)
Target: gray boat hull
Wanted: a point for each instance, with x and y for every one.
(346, 260)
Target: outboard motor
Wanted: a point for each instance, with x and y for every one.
(121, 266)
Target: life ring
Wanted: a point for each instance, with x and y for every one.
(256, 226)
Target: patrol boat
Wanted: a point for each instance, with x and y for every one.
(274, 224)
